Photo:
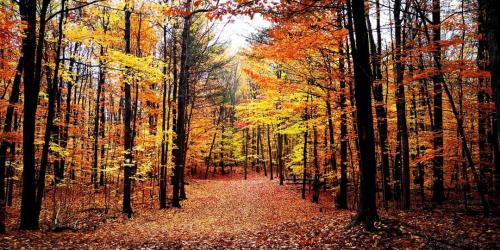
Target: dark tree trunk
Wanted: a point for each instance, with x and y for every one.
(437, 162)
(128, 164)
(341, 198)
(100, 83)
(221, 163)
(33, 50)
(52, 90)
(178, 152)
(165, 123)
(380, 109)
(270, 153)
(260, 146)
(29, 219)
(280, 158)
(245, 136)
(367, 207)
(401, 110)
(102, 132)
(59, 172)
(209, 157)
(304, 159)
(489, 10)
(485, 156)
(316, 183)
(331, 134)
(252, 145)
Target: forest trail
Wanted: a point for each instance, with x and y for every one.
(233, 205)
(229, 212)
(225, 206)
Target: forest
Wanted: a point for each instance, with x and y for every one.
(337, 124)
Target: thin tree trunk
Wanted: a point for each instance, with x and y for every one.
(341, 198)
(128, 164)
(304, 159)
(316, 183)
(102, 75)
(280, 157)
(245, 136)
(401, 109)
(164, 136)
(270, 153)
(261, 146)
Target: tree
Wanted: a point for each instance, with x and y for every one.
(437, 162)
(401, 109)
(179, 151)
(367, 208)
(128, 165)
(489, 10)
(27, 8)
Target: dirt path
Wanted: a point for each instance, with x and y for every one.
(236, 205)
(227, 206)
(223, 207)
(257, 213)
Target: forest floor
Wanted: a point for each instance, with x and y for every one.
(228, 212)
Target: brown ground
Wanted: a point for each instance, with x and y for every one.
(229, 212)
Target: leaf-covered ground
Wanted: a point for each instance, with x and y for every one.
(232, 213)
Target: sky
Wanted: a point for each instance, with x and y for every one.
(238, 29)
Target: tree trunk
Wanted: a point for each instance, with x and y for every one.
(316, 183)
(261, 147)
(270, 153)
(178, 152)
(128, 164)
(341, 198)
(245, 136)
(29, 219)
(437, 162)
(304, 159)
(164, 138)
(102, 75)
(280, 158)
(401, 110)
(221, 163)
(380, 109)
(367, 208)
(489, 10)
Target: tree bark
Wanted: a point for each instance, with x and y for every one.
(304, 159)
(128, 164)
(437, 162)
(270, 153)
(401, 110)
(489, 10)
(367, 208)
(261, 147)
(245, 136)
(100, 83)
(341, 198)
(316, 183)
(28, 218)
(178, 152)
